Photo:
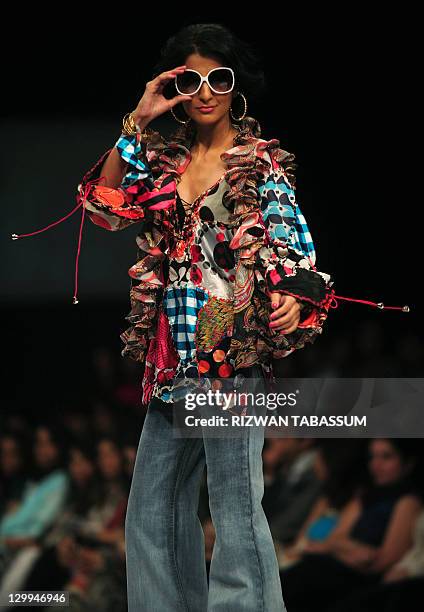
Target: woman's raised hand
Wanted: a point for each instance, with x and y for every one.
(153, 103)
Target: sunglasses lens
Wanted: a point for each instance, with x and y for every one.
(187, 82)
(221, 80)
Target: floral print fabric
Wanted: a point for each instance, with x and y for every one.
(200, 285)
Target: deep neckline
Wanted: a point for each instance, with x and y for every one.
(204, 193)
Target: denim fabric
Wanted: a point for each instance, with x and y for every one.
(166, 569)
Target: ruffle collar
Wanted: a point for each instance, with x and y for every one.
(249, 160)
(248, 151)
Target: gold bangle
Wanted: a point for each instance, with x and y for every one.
(130, 127)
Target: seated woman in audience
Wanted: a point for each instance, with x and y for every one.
(48, 572)
(374, 531)
(290, 485)
(13, 471)
(340, 469)
(96, 556)
(43, 499)
(44, 494)
(402, 586)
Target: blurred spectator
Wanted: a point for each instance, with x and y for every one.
(96, 556)
(42, 501)
(402, 586)
(412, 563)
(48, 572)
(340, 468)
(291, 484)
(114, 486)
(13, 471)
(373, 533)
(44, 493)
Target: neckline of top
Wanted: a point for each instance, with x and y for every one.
(249, 154)
(204, 193)
(221, 178)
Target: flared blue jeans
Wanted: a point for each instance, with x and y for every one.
(165, 551)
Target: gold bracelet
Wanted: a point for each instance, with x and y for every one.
(130, 127)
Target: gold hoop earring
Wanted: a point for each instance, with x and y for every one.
(245, 109)
(179, 120)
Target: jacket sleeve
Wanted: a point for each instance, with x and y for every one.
(138, 199)
(116, 209)
(289, 259)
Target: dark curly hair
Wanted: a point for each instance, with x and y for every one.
(214, 40)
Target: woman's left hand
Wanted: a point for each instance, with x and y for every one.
(314, 546)
(286, 315)
(396, 573)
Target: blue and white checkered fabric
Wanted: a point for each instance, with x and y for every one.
(282, 215)
(130, 149)
(301, 237)
(181, 306)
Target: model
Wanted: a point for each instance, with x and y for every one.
(221, 236)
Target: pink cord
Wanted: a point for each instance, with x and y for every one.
(75, 299)
(80, 199)
(43, 229)
(380, 305)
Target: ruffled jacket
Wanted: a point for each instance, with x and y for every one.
(271, 247)
(272, 244)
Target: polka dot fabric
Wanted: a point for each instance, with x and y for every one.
(199, 288)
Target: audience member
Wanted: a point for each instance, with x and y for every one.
(291, 484)
(373, 533)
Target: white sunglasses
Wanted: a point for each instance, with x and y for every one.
(220, 80)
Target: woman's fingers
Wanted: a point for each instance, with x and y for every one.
(169, 74)
(281, 303)
(286, 317)
(287, 326)
(286, 329)
(282, 310)
(289, 307)
(153, 103)
(159, 82)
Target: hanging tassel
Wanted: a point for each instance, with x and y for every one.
(80, 199)
(334, 298)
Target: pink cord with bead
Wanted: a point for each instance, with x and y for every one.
(80, 198)
(334, 298)
(332, 303)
